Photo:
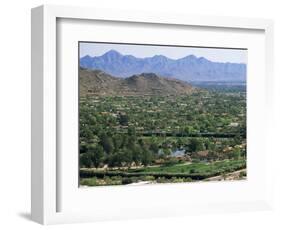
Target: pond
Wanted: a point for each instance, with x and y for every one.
(174, 153)
(178, 153)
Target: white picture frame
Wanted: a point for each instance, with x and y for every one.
(46, 164)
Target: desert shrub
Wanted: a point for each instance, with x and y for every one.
(161, 180)
(171, 161)
(192, 171)
(195, 160)
(127, 180)
(188, 179)
(89, 181)
(242, 174)
(147, 178)
(177, 180)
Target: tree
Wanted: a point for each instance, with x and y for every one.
(117, 141)
(146, 157)
(237, 139)
(111, 160)
(209, 145)
(136, 154)
(85, 160)
(124, 141)
(196, 144)
(96, 155)
(127, 157)
(236, 153)
(82, 148)
(106, 143)
(166, 151)
(179, 143)
(131, 141)
(131, 131)
(123, 119)
(86, 133)
(154, 148)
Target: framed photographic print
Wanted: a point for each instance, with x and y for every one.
(138, 115)
(161, 114)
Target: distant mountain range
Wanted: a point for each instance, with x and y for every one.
(189, 68)
(97, 82)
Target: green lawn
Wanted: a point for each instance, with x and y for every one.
(198, 168)
(161, 174)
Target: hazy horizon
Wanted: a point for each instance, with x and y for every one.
(143, 51)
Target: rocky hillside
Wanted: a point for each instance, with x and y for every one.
(97, 82)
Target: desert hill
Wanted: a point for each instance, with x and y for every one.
(97, 82)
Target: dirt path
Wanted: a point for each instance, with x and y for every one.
(229, 176)
(140, 183)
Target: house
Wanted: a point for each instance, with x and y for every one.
(233, 124)
(203, 153)
(227, 149)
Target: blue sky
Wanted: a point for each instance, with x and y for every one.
(212, 54)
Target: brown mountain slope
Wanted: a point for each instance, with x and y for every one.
(96, 82)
